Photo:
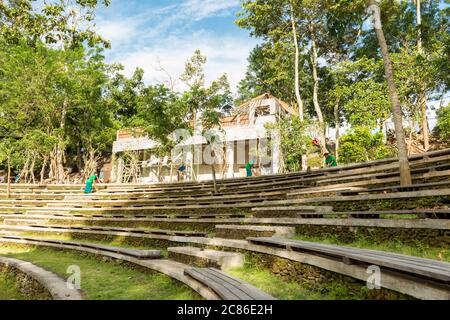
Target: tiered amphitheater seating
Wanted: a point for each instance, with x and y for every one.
(348, 201)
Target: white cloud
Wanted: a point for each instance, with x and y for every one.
(200, 9)
(225, 55)
(167, 36)
(117, 31)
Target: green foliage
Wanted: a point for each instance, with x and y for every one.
(159, 112)
(361, 145)
(295, 141)
(50, 96)
(443, 123)
(352, 87)
(64, 22)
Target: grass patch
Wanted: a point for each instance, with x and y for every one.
(290, 290)
(419, 249)
(102, 280)
(271, 284)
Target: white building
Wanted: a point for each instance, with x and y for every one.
(243, 137)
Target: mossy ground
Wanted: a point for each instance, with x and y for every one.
(104, 280)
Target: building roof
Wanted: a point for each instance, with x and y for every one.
(241, 115)
(257, 101)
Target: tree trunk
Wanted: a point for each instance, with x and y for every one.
(422, 101)
(424, 118)
(79, 158)
(60, 174)
(8, 191)
(419, 24)
(337, 125)
(405, 172)
(44, 166)
(317, 108)
(410, 141)
(297, 66)
(213, 169)
(33, 163)
(24, 171)
(298, 96)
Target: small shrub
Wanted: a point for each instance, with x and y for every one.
(442, 128)
(362, 145)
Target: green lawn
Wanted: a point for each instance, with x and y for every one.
(105, 280)
(273, 285)
(290, 290)
(419, 250)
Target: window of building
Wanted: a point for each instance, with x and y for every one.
(262, 111)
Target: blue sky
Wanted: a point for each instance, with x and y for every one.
(164, 33)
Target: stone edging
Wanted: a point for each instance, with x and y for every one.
(55, 285)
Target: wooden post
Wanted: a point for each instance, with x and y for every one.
(8, 192)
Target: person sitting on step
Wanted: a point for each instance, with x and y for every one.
(249, 168)
(330, 160)
(90, 187)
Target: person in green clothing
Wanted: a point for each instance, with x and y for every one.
(90, 183)
(330, 160)
(249, 167)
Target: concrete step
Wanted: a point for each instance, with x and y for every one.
(23, 222)
(44, 212)
(7, 233)
(245, 231)
(206, 258)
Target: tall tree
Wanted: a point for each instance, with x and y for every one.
(207, 102)
(405, 173)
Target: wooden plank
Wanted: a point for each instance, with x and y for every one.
(413, 187)
(224, 292)
(226, 286)
(254, 292)
(419, 266)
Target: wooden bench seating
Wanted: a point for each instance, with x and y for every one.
(444, 192)
(315, 191)
(301, 212)
(414, 159)
(418, 267)
(139, 254)
(415, 187)
(224, 199)
(56, 228)
(244, 231)
(226, 286)
(416, 174)
(206, 257)
(136, 217)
